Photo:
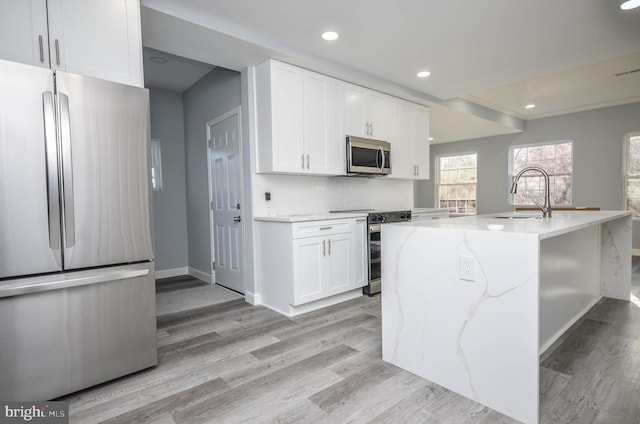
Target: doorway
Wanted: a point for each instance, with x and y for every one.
(224, 138)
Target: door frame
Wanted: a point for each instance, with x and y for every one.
(235, 111)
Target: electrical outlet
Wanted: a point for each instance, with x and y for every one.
(467, 268)
(267, 195)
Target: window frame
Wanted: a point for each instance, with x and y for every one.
(155, 172)
(625, 170)
(437, 179)
(510, 173)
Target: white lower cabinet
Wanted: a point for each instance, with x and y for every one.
(303, 266)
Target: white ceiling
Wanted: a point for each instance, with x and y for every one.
(488, 58)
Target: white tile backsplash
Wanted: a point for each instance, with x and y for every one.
(293, 194)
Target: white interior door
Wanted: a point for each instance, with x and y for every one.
(225, 183)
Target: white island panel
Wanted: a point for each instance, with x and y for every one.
(472, 337)
(615, 265)
(532, 280)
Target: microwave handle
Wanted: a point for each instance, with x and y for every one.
(381, 168)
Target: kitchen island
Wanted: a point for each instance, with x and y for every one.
(470, 303)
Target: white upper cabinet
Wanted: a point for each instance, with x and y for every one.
(367, 113)
(23, 31)
(100, 38)
(410, 143)
(297, 130)
(303, 118)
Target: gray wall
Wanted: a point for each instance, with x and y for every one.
(216, 93)
(170, 211)
(598, 137)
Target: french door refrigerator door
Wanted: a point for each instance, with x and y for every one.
(29, 208)
(104, 137)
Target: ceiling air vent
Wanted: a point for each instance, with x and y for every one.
(626, 72)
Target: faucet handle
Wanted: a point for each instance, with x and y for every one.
(539, 205)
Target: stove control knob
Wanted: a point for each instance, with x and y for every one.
(381, 218)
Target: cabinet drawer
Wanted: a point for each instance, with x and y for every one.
(320, 228)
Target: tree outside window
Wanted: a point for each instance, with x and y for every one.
(457, 181)
(556, 158)
(632, 174)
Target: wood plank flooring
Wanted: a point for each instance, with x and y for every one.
(237, 363)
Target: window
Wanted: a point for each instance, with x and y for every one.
(156, 166)
(632, 173)
(457, 181)
(555, 158)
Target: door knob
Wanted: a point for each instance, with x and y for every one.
(238, 206)
(237, 219)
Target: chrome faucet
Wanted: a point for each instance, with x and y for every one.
(546, 209)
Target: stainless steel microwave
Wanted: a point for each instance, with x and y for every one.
(368, 156)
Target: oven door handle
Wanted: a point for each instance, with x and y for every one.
(374, 228)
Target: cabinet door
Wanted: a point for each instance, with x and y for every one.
(402, 160)
(359, 269)
(421, 142)
(315, 121)
(286, 118)
(101, 39)
(309, 256)
(410, 142)
(23, 31)
(355, 111)
(323, 144)
(339, 264)
(378, 112)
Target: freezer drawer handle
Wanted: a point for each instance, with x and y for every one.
(73, 282)
(53, 195)
(67, 171)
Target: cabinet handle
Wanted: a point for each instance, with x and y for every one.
(302, 159)
(361, 220)
(371, 128)
(325, 228)
(41, 48)
(57, 52)
(324, 248)
(417, 170)
(329, 243)
(307, 161)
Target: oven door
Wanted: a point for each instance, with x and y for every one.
(375, 271)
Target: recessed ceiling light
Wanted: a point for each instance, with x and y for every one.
(158, 59)
(530, 106)
(630, 4)
(423, 74)
(430, 138)
(330, 35)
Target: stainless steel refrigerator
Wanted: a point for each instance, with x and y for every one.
(77, 289)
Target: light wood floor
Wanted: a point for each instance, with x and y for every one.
(237, 363)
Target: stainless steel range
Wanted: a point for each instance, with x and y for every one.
(375, 220)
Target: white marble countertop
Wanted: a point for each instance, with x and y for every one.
(524, 222)
(320, 216)
(428, 210)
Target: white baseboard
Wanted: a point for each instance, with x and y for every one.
(200, 275)
(172, 272)
(252, 298)
(635, 252)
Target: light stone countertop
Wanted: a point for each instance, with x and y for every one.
(428, 210)
(524, 223)
(312, 216)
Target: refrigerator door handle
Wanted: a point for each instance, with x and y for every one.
(25, 287)
(67, 171)
(51, 149)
